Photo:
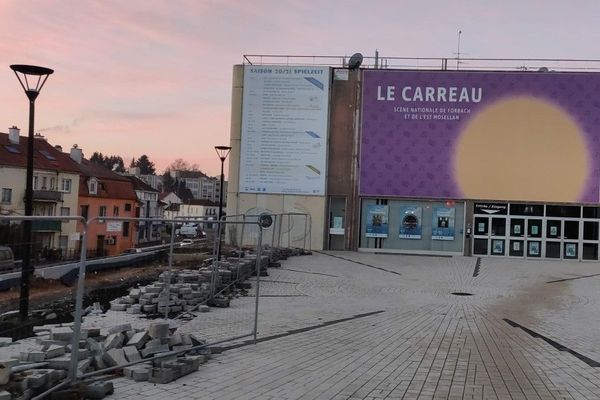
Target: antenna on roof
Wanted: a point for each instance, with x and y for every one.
(458, 51)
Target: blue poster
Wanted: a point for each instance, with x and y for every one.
(377, 221)
(410, 222)
(443, 223)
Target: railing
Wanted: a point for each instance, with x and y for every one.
(47, 195)
(46, 226)
(246, 331)
(430, 63)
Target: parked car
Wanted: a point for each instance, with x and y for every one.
(190, 230)
(186, 242)
(7, 259)
(132, 251)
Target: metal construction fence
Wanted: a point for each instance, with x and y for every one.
(175, 281)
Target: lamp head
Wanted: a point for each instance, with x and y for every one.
(222, 152)
(32, 78)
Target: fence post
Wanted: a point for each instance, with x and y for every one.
(213, 279)
(273, 231)
(258, 269)
(305, 226)
(279, 231)
(168, 290)
(78, 306)
(289, 230)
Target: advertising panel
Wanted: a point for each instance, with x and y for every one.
(284, 129)
(481, 135)
(443, 223)
(410, 224)
(377, 221)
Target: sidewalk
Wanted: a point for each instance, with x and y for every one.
(369, 326)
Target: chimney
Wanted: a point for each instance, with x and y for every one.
(39, 136)
(13, 134)
(58, 147)
(76, 154)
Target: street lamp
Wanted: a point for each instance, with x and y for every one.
(32, 79)
(222, 152)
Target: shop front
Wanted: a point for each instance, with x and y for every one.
(412, 226)
(535, 231)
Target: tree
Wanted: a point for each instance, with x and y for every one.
(181, 165)
(145, 165)
(168, 183)
(114, 163)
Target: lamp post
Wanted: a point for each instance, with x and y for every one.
(222, 152)
(32, 79)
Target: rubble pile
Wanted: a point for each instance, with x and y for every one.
(188, 289)
(38, 370)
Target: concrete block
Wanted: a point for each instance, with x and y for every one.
(55, 351)
(141, 374)
(91, 332)
(95, 347)
(150, 351)
(158, 330)
(204, 308)
(99, 362)
(5, 341)
(154, 343)
(64, 334)
(98, 390)
(161, 375)
(119, 328)
(36, 356)
(186, 339)
(175, 339)
(113, 340)
(182, 347)
(118, 307)
(84, 365)
(4, 395)
(151, 308)
(132, 354)
(138, 340)
(114, 357)
(62, 362)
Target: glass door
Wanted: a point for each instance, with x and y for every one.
(517, 234)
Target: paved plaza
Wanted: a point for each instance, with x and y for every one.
(343, 325)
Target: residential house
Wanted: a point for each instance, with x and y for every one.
(55, 190)
(104, 193)
(203, 187)
(149, 206)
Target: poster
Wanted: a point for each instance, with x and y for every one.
(498, 247)
(410, 222)
(517, 229)
(377, 221)
(516, 246)
(285, 111)
(570, 250)
(442, 223)
(114, 226)
(338, 226)
(534, 248)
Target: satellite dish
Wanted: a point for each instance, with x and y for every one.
(355, 61)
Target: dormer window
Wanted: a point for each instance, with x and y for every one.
(93, 186)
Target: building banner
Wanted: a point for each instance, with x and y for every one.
(410, 224)
(442, 223)
(526, 136)
(284, 129)
(377, 221)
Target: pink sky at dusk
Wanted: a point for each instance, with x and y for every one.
(154, 77)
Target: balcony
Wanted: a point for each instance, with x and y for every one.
(51, 196)
(45, 226)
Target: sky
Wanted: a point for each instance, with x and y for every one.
(154, 77)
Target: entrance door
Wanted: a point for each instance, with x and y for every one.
(489, 235)
(100, 246)
(337, 223)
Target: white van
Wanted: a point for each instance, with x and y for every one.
(189, 230)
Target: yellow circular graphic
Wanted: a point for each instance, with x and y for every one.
(522, 149)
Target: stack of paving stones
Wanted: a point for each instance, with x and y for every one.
(38, 370)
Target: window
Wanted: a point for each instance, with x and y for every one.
(65, 211)
(128, 207)
(102, 212)
(125, 228)
(93, 187)
(6, 195)
(35, 181)
(52, 187)
(66, 185)
(84, 211)
(115, 211)
(44, 183)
